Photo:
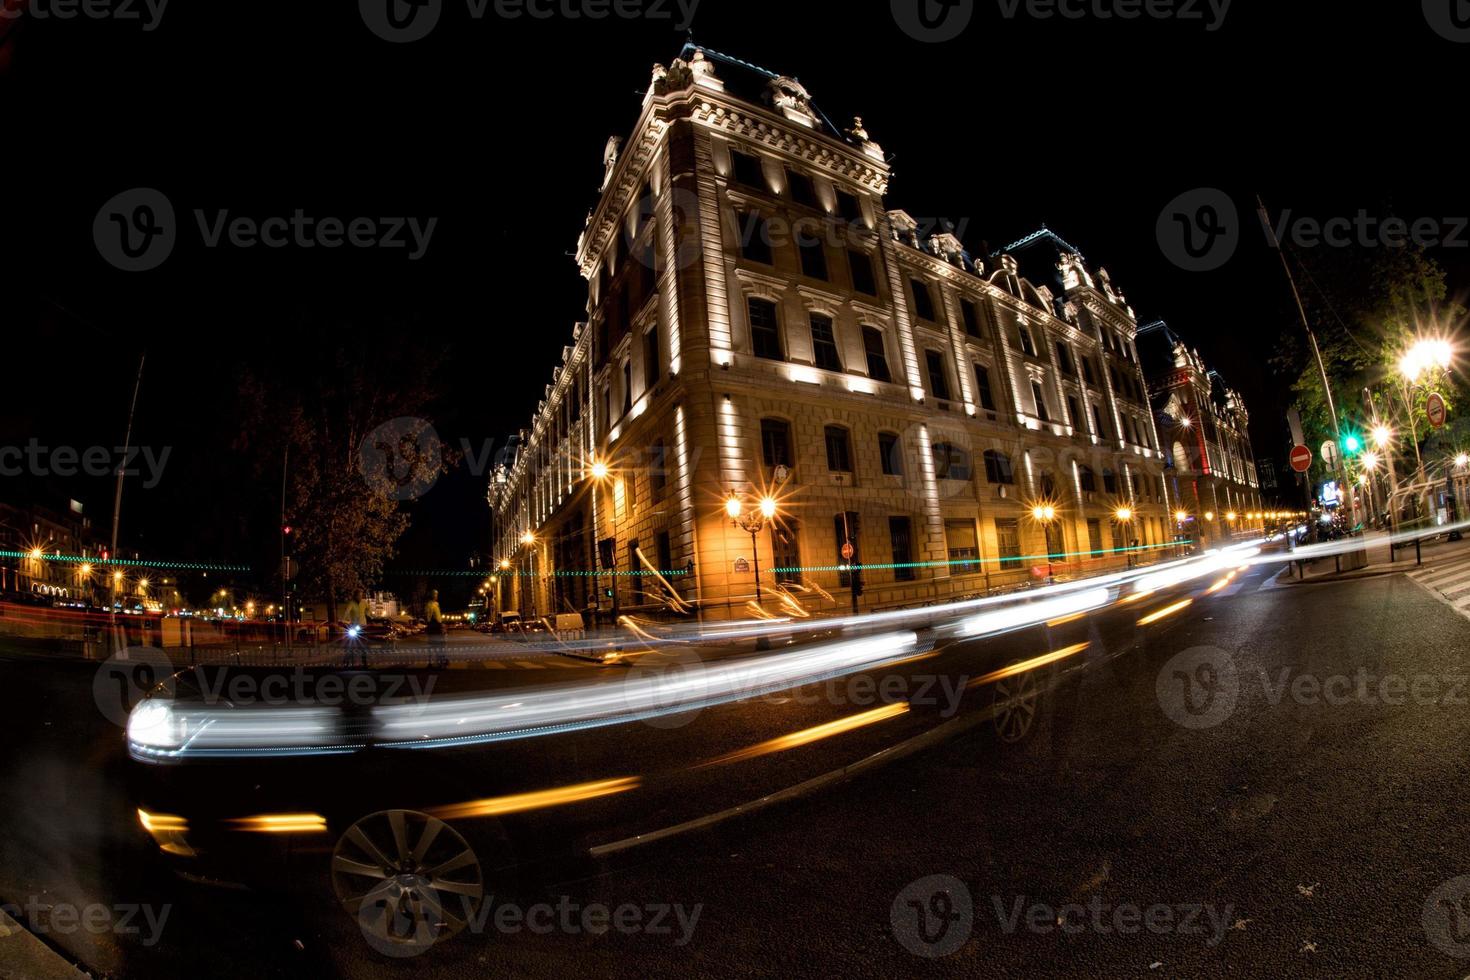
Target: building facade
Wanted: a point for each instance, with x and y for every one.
(1210, 467)
(920, 422)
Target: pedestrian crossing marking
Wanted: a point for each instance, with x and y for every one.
(1448, 581)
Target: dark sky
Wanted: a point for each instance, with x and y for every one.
(496, 127)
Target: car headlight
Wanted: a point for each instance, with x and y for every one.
(155, 725)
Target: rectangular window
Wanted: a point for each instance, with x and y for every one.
(755, 239)
(652, 369)
(824, 344)
(877, 354)
(1074, 411)
(971, 313)
(846, 528)
(1041, 411)
(776, 442)
(964, 546)
(900, 536)
(938, 378)
(658, 472)
(627, 387)
(803, 192)
(982, 388)
(813, 255)
(890, 453)
(785, 551)
(1008, 542)
(765, 330)
(1094, 537)
(849, 208)
(635, 573)
(747, 170)
(951, 462)
(923, 300)
(839, 454)
(1087, 372)
(665, 552)
(1097, 426)
(862, 272)
(1064, 360)
(1028, 346)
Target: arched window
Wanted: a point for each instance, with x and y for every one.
(998, 468)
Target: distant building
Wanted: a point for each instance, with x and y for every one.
(760, 323)
(1210, 466)
(49, 553)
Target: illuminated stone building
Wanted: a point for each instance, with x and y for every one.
(761, 323)
(1210, 468)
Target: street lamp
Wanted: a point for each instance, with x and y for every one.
(1045, 514)
(1124, 516)
(1181, 517)
(752, 520)
(1423, 356)
(599, 472)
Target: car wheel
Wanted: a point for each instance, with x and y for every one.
(1016, 701)
(409, 879)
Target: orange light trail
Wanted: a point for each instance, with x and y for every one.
(282, 823)
(538, 800)
(1064, 620)
(1025, 665)
(1136, 597)
(1154, 617)
(810, 735)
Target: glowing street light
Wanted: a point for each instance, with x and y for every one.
(1462, 461)
(752, 521)
(504, 564)
(1382, 436)
(732, 507)
(1424, 355)
(528, 538)
(1045, 514)
(1370, 461)
(598, 470)
(1124, 514)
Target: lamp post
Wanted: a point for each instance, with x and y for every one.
(529, 540)
(1045, 515)
(1124, 516)
(752, 520)
(1423, 356)
(598, 472)
(1181, 518)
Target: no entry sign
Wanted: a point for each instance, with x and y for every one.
(1301, 459)
(1434, 408)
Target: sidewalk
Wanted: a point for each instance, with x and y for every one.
(1434, 551)
(24, 957)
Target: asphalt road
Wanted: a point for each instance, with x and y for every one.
(1300, 821)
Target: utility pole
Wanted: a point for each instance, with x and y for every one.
(1358, 558)
(121, 647)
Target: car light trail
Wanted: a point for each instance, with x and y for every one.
(281, 823)
(1154, 617)
(1028, 665)
(538, 800)
(814, 734)
(167, 831)
(1027, 614)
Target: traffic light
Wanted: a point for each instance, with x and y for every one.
(1351, 444)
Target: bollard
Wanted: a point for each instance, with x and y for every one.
(1418, 554)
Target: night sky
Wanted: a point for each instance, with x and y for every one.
(496, 128)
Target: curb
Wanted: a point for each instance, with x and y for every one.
(22, 955)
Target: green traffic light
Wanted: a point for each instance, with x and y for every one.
(1352, 444)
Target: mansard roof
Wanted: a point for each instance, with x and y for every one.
(752, 83)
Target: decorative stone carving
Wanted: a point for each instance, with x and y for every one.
(609, 162)
(792, 99)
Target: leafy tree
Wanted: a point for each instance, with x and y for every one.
(344, 415)
(1367, 308)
